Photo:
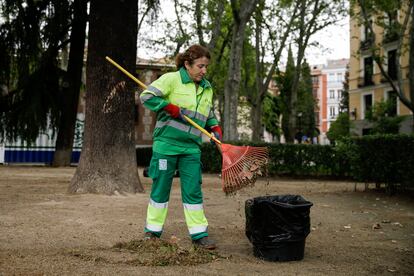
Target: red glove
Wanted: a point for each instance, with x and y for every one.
(217, 132)
(173, 110)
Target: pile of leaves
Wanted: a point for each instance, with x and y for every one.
(159, 252)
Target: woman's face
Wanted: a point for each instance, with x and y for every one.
(198, 69)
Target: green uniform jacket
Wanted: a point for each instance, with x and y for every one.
(173, 136)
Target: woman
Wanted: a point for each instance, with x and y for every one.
(177, 143)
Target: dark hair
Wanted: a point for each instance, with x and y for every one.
(192, 53)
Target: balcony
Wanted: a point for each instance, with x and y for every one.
(365, 81)
(390, 36)
(391, 33)
(367, 43)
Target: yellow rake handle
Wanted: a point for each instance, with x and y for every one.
(211, 136)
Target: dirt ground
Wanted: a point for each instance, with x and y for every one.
(45, 231)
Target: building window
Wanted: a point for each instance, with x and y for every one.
(392, 100)
(339, 94)
(332, 94)
(392, 64)
(368, 70)
(339, 77)
(332, 112)
(367, 103)
(366, 37)
(391, 26)
(391, 17)
(315, 93)
(331, 77)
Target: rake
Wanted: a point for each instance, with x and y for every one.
(241, 164)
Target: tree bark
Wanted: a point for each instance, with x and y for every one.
(232, 85)
(411, 63)
(215, 32)
(71, 89)
(108, 160)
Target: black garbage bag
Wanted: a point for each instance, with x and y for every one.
(277, 226)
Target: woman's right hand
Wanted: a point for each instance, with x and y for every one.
(175, 111)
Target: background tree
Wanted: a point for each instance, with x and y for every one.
(383, 117)
(271, 115)
(242, 11)
(340, 128)
(108, 160)
(42, 93)
(344, 101)
(306, 103)
(284, 82)
(32, 35)
(313, 16)
(275, 23)
(72, 81)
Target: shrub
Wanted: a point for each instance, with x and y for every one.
(385, 159)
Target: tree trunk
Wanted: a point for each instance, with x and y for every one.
(411, 65)
(257, 125)
(302, 41)
(108, 160)
(70, 95)
(232, 85)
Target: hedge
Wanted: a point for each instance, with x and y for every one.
(385, 159)
(381, 159)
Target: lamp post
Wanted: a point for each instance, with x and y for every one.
(300, 127)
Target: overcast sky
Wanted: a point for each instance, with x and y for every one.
(334, 40)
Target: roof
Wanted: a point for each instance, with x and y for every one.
(155, 63)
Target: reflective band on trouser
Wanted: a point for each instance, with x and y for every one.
(156, 214)
(195, 218)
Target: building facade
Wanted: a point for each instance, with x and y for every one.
(147, 71)
(367, 86)
(334, 77)
(328, 84)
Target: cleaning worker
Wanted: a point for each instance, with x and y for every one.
(177, 144)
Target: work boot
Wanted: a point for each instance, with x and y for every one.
(205, 243)
(150, 236)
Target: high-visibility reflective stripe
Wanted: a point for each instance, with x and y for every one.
(155, 90)
(158, 205)
(173, 124)
(193, 206)
(195, 132)
(195, 115)
(177, 125)
(155, 228)
(197, 229)
(145, 97)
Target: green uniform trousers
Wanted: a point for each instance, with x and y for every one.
(162, 170)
